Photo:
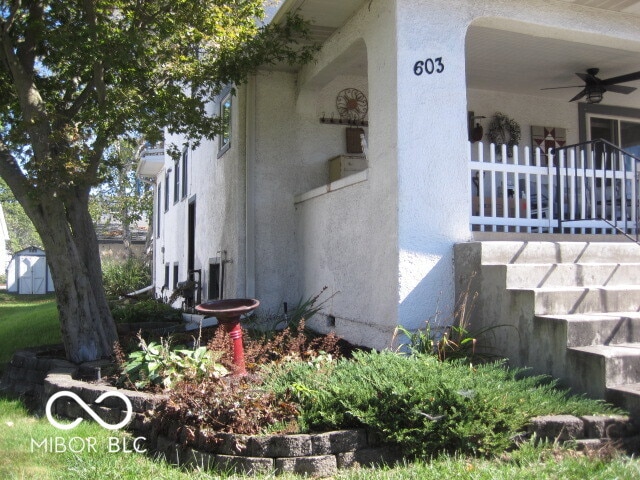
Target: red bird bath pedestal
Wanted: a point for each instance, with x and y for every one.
(228, 313)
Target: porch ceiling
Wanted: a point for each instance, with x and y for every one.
(326, 16)
(508, 61)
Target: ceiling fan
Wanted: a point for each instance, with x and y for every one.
(594, 87)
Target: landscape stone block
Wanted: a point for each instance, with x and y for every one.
(615, 426)
(338, 441)
(557, 427)
(197, 460)
(112, 416)
(221, 443)
(316, 466)
(279, 446)
(245, 465)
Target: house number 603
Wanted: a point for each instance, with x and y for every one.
(429, 66)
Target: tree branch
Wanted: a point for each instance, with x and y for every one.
(11, 172)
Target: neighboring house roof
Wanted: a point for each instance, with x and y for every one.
(112, 233)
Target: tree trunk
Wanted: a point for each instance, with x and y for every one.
(66, 229)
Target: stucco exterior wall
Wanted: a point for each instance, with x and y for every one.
(383, 245)
(216, 185)
(347, 238)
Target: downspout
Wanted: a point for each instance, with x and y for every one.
(250, 181)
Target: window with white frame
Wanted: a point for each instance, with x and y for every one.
(618, 125)
(176, 182)
(224, 139)
(185, 159)
(159, 209)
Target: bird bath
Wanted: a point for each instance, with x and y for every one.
(228, 313)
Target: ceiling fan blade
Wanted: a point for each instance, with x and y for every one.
(629, 77)
(557, 88)
(579, 96)
(588, 78)
(620, 89)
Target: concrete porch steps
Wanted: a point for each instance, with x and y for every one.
(510, 252)
(545, 275)
(625, 396)
(599, 367)
(591, 299)
(575, 307)
(582, 330)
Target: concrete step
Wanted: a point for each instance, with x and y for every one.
(569, 300)
(627, 397)
(596, 368)
(558, 252)
(585, 329)
(523, 275)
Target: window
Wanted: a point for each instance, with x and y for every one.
(166, 275)
(225, 118)
(166, 191)
(185, 159)
(176, 182)
(176, 272)
(618, 125)
(159, 209)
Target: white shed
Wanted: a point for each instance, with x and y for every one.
(28, 272)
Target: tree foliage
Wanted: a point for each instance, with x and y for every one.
(122, 201)
(76, 76)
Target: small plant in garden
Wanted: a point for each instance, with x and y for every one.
(232, 404)
(122, 278)
(157, 363)
(303, 311)
(456, 342)
(144, 311)
(292, 343)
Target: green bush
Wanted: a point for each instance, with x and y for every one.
(422, 404)
(158, 363)
(121, 278)
(145, 311)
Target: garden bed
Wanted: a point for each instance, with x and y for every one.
(317, 454)
(301, 409)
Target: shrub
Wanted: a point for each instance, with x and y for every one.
(122, 278)
(145, 311)
(292, 343)
(232, 404)
(160, 364)
(422, 404)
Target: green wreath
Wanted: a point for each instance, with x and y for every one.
(503, 129)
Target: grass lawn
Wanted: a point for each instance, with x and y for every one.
(32, 321)
(26, 321)
(18, 461)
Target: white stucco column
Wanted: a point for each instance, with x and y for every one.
(433, 184)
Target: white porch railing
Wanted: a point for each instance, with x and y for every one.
(578, 190)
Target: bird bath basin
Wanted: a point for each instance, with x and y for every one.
(228, 313)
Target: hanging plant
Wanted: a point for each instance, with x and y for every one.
(504, 130)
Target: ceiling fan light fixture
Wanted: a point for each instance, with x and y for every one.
(594, 94)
